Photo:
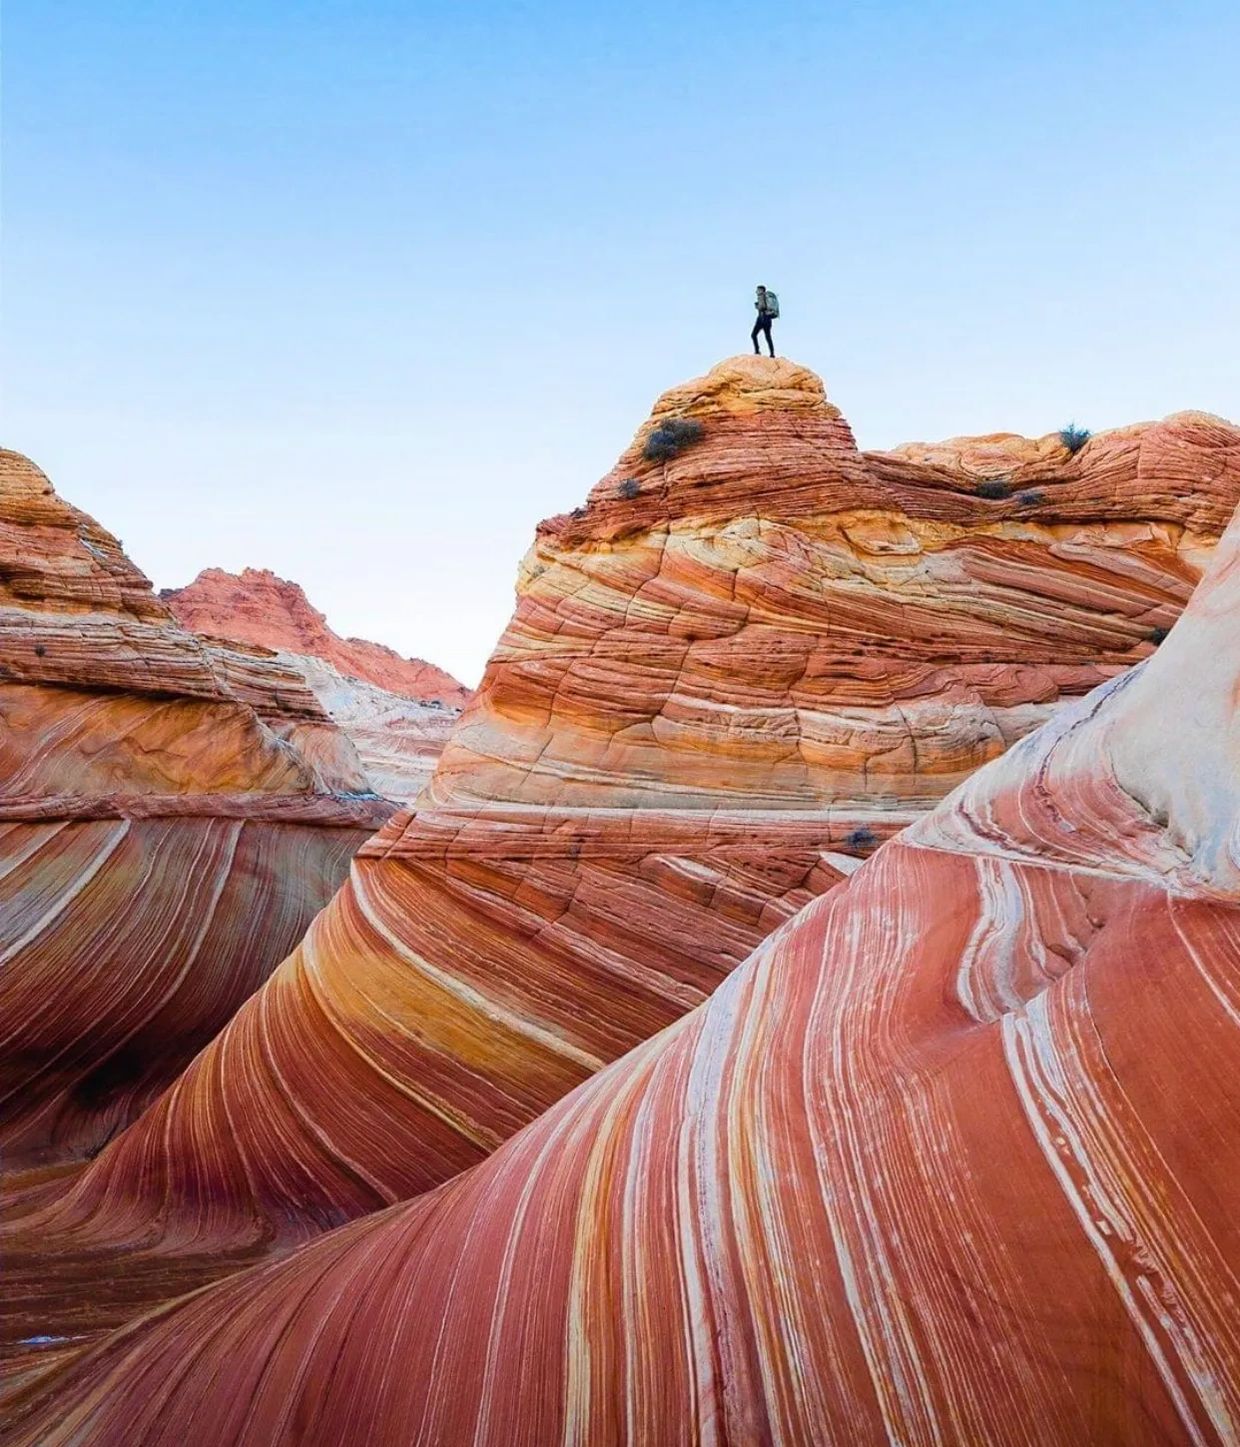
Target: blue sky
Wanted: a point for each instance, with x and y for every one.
(359, 291)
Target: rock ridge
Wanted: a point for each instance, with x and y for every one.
(952, 1156)
(710, 705)
(257, 607)
(172, 816)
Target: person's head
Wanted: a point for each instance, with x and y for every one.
(762, 291)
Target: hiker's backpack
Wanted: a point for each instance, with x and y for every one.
(772, 304)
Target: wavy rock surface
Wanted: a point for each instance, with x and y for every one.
(256, 607)
(172, 816)
(952, 1158)
(728, 677)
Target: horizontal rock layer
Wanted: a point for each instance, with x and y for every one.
(729, 677)
(952, 1158)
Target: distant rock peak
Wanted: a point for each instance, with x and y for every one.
(259, 608)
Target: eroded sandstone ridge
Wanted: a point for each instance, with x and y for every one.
(254, 606)
(397, 712)
(398, 739)
(951, 1158)
(753, 655)
(171, 818)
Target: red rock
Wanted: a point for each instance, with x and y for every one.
(723, 685)
(171, 818)
(397, 712)
(952, 1158)
(257, 607)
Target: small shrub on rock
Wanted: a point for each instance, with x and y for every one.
(670, 438)
(628, 488)
(1074, 437)
(1157, 635)
(1030, 497)
(994, 488)
(861, 839)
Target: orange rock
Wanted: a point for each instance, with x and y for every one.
(952, 1158)
(171, 817)
(752, 656)
(397, 712)
(255, 606)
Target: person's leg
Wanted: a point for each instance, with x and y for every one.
(766, 328)
(753, 336)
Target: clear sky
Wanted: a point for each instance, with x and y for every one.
(358, 291)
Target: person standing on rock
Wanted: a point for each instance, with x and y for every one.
(768, 309)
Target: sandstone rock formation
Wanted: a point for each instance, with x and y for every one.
(952, 1158)
(171, 818)
(753, 655)
(397, 712)
(398, 739)
(255, 606)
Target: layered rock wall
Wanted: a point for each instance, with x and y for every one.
(951, 1158)
(753, 655)
(172, 816)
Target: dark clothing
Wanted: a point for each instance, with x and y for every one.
(763, 325)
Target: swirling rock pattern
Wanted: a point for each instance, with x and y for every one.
(172, 816)
(729, 676)
(951, 1158)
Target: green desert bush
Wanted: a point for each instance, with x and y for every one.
(993, 488)
(671, 437)
(628, 488)
(1074, 437)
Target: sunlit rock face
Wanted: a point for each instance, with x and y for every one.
(752, 656)
(951, 1158)
(172, 816)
